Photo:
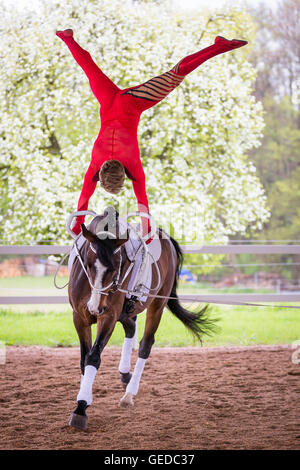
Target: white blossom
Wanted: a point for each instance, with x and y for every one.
(193, 145)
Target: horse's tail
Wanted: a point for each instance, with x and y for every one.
(199, 322)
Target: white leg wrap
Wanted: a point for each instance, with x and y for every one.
(134, 383)
(86, 386)
(125, 361)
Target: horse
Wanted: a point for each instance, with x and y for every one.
(101, 260)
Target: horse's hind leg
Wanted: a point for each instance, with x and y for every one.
(129, 325)
(154, 313)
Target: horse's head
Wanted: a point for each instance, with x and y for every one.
(101, 257)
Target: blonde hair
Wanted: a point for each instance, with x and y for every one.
(112, 176)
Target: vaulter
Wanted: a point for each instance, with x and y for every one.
(116, 150)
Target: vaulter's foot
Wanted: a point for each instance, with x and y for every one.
(231, 44)
(67, 33)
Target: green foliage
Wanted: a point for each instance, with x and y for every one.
(277, 160)
(276, 56)
(278, 163)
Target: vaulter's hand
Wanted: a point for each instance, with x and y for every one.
(77, 227)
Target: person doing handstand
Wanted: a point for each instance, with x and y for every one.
(116, 151)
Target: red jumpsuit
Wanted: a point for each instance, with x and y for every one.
(120, 111)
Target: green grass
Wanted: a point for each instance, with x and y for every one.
(51, 325)
(238, 326)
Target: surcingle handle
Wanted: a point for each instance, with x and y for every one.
(71, 217)
(147, 216)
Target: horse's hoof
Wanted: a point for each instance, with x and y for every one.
(78, 418)
(125, 379)
(127, 400)
(78, 421)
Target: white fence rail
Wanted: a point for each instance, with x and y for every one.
(192, 249)
(205, 249)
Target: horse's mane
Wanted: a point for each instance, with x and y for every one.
(104, 247)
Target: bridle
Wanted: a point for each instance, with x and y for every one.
(113, 285)
(116, 283)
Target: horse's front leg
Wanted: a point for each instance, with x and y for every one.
(105, 326)
(129, 325)
(154, 313)
(85, 338)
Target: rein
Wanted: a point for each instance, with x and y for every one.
(115, 284)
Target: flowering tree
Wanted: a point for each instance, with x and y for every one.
(193, 144)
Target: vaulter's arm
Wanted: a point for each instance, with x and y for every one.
(139, 187)
(88, 188)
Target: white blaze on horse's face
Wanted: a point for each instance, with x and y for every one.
(93, 303)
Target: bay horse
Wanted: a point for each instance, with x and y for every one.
(101, 260)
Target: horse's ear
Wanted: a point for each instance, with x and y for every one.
(124, 237)
(87, 234)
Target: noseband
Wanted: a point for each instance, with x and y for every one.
(113, 285)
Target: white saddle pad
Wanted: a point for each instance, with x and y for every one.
(133, 244)
(72, 256)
